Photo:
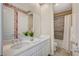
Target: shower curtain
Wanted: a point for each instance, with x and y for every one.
(67, 30)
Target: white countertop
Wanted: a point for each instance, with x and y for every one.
(8, 51)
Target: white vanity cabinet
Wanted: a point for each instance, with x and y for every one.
(39, 49)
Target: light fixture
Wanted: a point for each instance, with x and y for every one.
(56, 4)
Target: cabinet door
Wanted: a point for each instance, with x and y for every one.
(26, 53)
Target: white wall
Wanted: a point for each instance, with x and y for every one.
(8, 22)
(47, 26)
(52, 27)
(45, 21)
(36, 20)
(22, 23)
(75, 26)
(0, 28)
(75, 21)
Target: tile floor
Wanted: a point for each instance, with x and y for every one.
(61, 52)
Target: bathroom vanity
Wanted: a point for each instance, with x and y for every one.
(37, 47)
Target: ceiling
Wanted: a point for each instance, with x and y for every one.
(24, 6)
(60, 7)
(27, 6)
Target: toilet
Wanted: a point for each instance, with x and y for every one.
(55, 45)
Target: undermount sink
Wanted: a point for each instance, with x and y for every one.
(20, 45)
(24, 43)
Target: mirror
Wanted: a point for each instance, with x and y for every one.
(15, 22)
(25, 22)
